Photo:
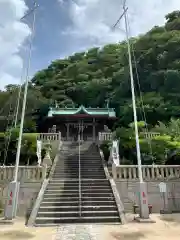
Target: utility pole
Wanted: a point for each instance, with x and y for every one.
(13, 189)
(143, 201)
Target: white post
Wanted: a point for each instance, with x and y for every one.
(38, 151)
(144, 210)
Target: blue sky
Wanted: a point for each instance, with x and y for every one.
(64, 27)
(49, 41)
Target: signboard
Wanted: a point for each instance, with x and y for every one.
(162, 187)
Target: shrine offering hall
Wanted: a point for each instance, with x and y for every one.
(87, 122)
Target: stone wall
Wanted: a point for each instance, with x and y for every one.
(127, 181)
(30, 177)
(27, 195)
(129, 194)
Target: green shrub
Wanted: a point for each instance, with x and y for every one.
(28, 150)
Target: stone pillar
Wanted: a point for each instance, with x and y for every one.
(67, 131)
(94, 130)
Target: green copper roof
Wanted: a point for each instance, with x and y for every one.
(82, 110)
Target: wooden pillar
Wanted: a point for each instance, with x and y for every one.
(67, 131)
(94, 130)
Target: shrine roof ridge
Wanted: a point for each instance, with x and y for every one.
(89, 111)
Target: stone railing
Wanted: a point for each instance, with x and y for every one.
(25, 173)
(44, 137)
(150, 172)
(150, 134)
(105, 136)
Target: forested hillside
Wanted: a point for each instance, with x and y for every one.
(102, 75)
(96, 76)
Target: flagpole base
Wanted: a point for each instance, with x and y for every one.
(142, 220)
(12, 201)
(143, 201)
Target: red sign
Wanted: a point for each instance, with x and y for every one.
(143, 194)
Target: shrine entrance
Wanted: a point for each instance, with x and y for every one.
(87, 131)
(69, 121)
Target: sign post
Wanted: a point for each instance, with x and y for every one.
(115, 152)
(164, 194)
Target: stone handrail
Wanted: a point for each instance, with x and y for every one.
(150, 134)
(37, 203)
(49, 136)
(25, 173)
(105, 136)
(150, 172)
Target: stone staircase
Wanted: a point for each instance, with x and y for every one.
(67, 201)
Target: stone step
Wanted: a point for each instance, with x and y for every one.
(97, 213)
(82, 174)
(76, 194)
(76, 208)
(76, 185)
(84, 182)
(46, 221)
(76, 165)
(82, 171)
(87, 176)
(60, 203)
(74, 189)
(89, 171)
(99, 168)
(76, 198)
(68, 175)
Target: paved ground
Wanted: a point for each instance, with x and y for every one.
(165, 228)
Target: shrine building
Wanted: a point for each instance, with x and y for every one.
(71, 121)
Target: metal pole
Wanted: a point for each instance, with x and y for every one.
(79, 138)
(17, 107)
(13, 188)
(144, 211)
(134, 103)
(24, 103)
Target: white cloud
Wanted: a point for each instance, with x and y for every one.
(12, 36)
(92, 20)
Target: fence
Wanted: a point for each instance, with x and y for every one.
(105, 136)
(25, 173)
(49, 136)
(150, 135)
(150, 172)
